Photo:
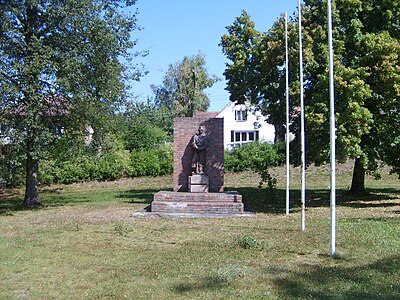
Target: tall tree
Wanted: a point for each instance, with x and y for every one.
(61, 58)
(256, 72)
(183, 88)
(367, 73)
(367, 76)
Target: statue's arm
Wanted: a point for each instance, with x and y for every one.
(194, 145)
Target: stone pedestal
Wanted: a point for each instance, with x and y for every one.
(210, 203)
(198, 183)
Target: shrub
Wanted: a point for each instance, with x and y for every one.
(12, 165)
(154, 162)
(165, 155)
(258, 157)
(144, 163)
(113, 165)
(73, 161)
(246, 242)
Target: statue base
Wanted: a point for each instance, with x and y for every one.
(198, 183)
(200, 203)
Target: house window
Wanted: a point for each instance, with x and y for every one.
(237, 136)
(242, 137)
(251, 136)
(240, 115)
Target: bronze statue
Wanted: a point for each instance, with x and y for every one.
(199, 143)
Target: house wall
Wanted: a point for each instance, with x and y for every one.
(254, 122)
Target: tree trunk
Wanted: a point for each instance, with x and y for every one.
(279, 133)
(31, 183)
(358, 181)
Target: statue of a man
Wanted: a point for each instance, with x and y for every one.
(199, 144)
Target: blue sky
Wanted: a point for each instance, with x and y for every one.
(177, 28)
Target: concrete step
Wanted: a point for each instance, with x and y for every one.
(198, 197)
(217, 207)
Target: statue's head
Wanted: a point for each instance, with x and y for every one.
(201, 129)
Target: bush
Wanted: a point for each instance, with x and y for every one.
(258, 157)
(154, 162)
(166, 157)
(145, 163)
(73, 161)
(113, 165)
(12, 165)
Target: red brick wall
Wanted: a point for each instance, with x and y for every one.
(184, 129)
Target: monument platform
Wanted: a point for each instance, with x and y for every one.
(209, 203)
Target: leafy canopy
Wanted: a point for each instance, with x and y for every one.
(62, 62)
(183, 88)
(367, 76)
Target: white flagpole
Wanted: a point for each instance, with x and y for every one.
(302, 128)
(332, 136)
(287, 117)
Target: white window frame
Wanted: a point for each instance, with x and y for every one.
(240, 115)
(241, 137)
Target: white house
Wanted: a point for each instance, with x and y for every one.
(243, 124)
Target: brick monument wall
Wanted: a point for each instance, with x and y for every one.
(184, 129)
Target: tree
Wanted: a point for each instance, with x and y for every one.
(257, 69)
(69, 50)
(145, 126)
(367, 54)
(183, 87)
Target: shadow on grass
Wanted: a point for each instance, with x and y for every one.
(255, 199)
(373, 281)
(213, 281)
(8, 206)
(264, 200)
(12, 204)
(138, 196)
(206, 283)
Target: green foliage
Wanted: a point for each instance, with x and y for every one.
(62, 63)
(183, 87)
(367, 76)
(73, 162)
(113, 165)
(145, 126)
(258, 157)
(256, 69)
(240, 46)
(11, 166)
(153, 162)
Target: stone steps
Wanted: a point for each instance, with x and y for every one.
(211, 203)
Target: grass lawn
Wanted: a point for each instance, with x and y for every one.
(85, 244)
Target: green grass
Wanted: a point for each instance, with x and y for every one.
(85, 244)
